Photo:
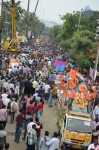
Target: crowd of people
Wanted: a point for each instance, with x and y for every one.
(26, 87)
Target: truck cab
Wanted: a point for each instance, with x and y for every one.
(76, 130)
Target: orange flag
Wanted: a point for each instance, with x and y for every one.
(72, 84)
(73, 75)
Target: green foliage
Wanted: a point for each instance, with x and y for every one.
(60, 119)
(80, 43)
(25, 21)
(76, 40)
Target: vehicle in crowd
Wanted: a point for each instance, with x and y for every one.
(11, 44)
(76, 131)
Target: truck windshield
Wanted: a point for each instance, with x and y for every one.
(77, 125)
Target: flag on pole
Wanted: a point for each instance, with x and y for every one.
(95, 74)
(91, 73)
(80, 76)
(87, 12)
(76, 75)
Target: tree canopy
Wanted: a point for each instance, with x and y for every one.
(25, 20)
(77, 36)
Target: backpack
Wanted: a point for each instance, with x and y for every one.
(14, 107)
(9, 105)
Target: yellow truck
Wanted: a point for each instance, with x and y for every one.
(76, 131)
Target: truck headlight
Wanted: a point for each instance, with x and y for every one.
(68, 140)
(86, 143)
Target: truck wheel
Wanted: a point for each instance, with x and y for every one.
(64, 146)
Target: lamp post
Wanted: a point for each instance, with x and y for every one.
(2, 19)
(28, 6)
(36, 6)
(97, 56)
(27, 14)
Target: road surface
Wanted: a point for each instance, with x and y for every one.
(49, 123)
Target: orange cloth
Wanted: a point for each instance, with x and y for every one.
(12, 60)
(72, 84)
(40, 106)
(64, 92)
(72, 94)
(73, 75)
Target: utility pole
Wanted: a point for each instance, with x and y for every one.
(27, 14)
(2, 19)
(36, 6)
(34, 16)
(97, 56)
(28, 6)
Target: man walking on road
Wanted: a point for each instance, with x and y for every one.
(3, 135)
(3, 116)
(43, 141)
(14, 109)
(38, 131)
(94, 145)
(19, 125)
(54, 142)
(31, 138)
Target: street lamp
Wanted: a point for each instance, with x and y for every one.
(97, 56)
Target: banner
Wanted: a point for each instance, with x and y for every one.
(60, 68)
(91, 73)
(58, 63)
(13, 62)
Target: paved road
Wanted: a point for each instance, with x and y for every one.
(49, 123)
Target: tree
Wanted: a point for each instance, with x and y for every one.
(25, 20)
(31, 22)
(79, 45)
(77, 42)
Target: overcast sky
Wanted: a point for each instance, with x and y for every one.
(51, 9)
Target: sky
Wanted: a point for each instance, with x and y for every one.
(52, 9)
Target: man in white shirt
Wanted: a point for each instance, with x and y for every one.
(94, 145)
(6, 101)
(47, 87)
(30, 61)
(14, 69)
(11, 86)
(17, 91)
(3, 135)
(49, 63)
(96, 111)
(29, 126)
(43, 141)
(36, 94)
(4, 96)
(54, 142)
(5, 85)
